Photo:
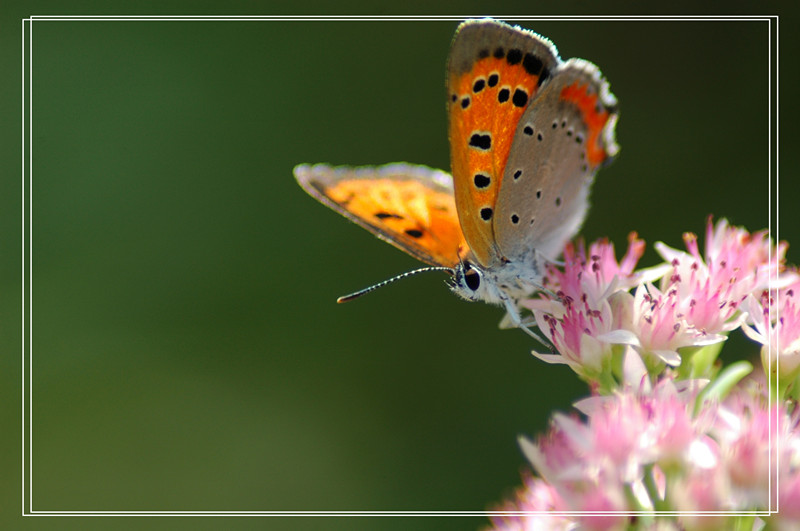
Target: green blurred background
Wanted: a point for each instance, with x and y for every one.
(187, 350)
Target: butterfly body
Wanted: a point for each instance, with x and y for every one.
(527, 132)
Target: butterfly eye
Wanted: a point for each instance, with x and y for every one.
(471, 277)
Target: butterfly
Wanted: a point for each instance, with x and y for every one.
(527, 133)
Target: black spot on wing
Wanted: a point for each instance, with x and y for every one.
(532, 64)
(520, 98)
(514, 56)
(503, 95)
(543, 76)
(387, 215)
(482, 141)
(482, 181)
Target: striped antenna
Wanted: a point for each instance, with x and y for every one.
(407, 274)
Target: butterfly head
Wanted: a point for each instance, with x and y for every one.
(469, 282)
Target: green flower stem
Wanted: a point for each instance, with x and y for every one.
(721, 386)
(652, 491)
(792, 391)
(699, 361)
(607, 384)
(744, 523)
(786, 388)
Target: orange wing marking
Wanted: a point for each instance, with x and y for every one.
(587, 104)
(490, 99)
(407, 213)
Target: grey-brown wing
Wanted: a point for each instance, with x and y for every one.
(565, 135)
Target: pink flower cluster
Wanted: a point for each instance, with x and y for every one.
(668, 428)
(697, 302)
(774, 321)
(647, 449)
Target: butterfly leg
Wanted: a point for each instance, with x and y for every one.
(508, 322)
(515, 318)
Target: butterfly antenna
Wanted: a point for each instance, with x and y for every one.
(407, 274)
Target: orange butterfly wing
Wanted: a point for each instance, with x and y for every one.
(410, 206)
(494, 71)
